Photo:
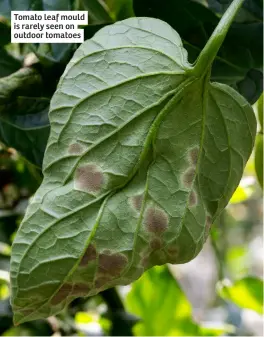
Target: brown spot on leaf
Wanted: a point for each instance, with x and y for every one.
(89, 255)
(188, 177)
(192, 199)
(75, 148)
(80, 289)
(61, 294)
(193, 155)
(156, 244)
(112, 264)
(137, 202)
(145, 262)
(89, 178)
(156, 220)
(173, 250)
(101, 281)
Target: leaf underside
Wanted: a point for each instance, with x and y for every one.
(142, 157)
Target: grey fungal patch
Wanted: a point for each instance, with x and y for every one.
(192, 199)
(89, 255)
(156, 220)
(155, 244)
(75, 148)
(193, 155)
(112, 264)
(188, 177)
(136, 202)
(62, 294)
(89, 178)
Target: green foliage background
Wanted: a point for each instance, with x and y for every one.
(155, 304)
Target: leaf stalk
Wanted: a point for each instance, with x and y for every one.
(213, 45)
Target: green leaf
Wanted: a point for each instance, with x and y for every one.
(28, 130)
(239, 66)
(144, 153)
(157, 297)
(6, 6)
(97, 10)
(120, 9)
(24, 122)
(245, 293)
(5, 34)
(8, 64)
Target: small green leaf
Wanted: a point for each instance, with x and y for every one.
(144, 153)
(157, 297)
(245, 293)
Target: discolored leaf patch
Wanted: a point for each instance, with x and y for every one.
(62, 294)
(193, 155)
(80, 289)
(76, 148)
(89, 255)
(156, 220)
(155, 244)
(193, 199)
(112, 264)
(89, 178)
(188, 177)
(136, 202)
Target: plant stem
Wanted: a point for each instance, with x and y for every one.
(211, 48)
(218, 256)
(122, 322)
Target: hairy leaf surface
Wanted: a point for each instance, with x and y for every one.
(143, 155)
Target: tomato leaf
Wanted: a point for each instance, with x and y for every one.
(144, 153)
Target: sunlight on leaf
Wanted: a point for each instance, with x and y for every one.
(245, 293)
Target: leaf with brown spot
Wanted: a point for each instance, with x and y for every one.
(89, 178)
(75, 148)
(155, 244)
(188, 177)
(136, 202)
(112, 264)
(156, 220)
(89, 255)
(140, 111)
(61, 294)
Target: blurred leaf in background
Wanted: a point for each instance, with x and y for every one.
(245, 293)
(259, 143)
